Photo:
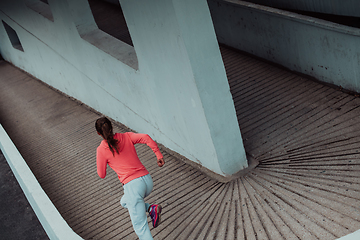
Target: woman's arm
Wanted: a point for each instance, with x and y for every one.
(146, 139)
(101, 163)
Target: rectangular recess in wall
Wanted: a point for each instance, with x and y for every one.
(13, 37)
(100, 36)
(40, 6)
(109, 18)
(109, 32)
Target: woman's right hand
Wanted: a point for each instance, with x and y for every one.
(160, 162)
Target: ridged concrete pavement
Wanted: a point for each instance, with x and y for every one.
(304, 134)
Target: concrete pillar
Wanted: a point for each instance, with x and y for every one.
(176, 44)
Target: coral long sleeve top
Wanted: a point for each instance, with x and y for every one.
(127, 164)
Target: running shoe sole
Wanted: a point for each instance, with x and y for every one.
(158, 216)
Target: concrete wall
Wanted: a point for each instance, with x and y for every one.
(336, 7)
(171, 84)
(327, 51)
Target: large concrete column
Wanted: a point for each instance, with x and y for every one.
(176, 44)
(171, 84)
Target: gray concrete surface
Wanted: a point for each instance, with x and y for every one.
(17, 219)
(304, 135)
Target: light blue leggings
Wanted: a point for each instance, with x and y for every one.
(134, 193)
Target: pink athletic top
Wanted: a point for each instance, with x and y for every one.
(126, 164)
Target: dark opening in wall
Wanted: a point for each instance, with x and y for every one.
(40, 6)
(110, 19)
(103, 25)
(14, 39)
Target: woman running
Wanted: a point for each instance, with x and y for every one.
(119, 152)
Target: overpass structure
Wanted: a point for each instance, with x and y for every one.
(302, 133)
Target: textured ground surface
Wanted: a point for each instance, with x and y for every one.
(304, 134)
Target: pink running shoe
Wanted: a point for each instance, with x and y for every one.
(154, 212)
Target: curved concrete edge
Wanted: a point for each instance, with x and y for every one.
(49, 217)
(251, 161)
(352, 236)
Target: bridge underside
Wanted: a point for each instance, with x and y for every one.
(304, 134)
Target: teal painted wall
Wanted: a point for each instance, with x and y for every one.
(327, 51)
(171, 84)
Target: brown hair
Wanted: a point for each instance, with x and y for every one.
(104, 128)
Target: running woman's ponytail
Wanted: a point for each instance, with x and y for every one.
(104, 128)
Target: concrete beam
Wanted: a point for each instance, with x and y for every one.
(336, 7)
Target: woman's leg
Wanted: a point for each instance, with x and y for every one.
(149, 186)
(134, 193)
(154, 210)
